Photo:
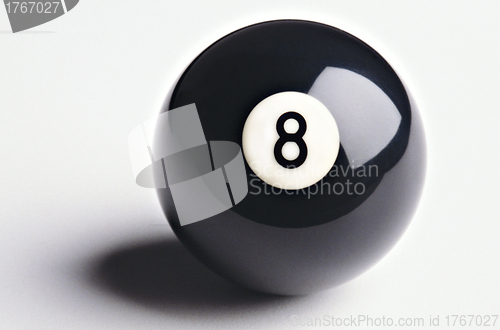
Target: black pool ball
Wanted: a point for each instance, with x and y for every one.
(333, 148)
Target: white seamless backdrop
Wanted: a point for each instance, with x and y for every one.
(83, 247)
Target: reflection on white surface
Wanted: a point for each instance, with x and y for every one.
(366, 117)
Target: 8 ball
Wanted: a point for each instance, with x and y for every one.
(338, 190)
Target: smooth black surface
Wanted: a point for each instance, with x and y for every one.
(237, 72)
(294, 243)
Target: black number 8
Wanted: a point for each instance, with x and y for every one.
(287, 137)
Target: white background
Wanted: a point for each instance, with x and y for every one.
(81, 246)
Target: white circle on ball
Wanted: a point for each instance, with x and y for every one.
(260, 136)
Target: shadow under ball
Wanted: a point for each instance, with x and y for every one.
(303, 241)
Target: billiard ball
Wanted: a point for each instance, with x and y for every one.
(334, 153)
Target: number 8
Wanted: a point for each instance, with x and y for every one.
(286, 137)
